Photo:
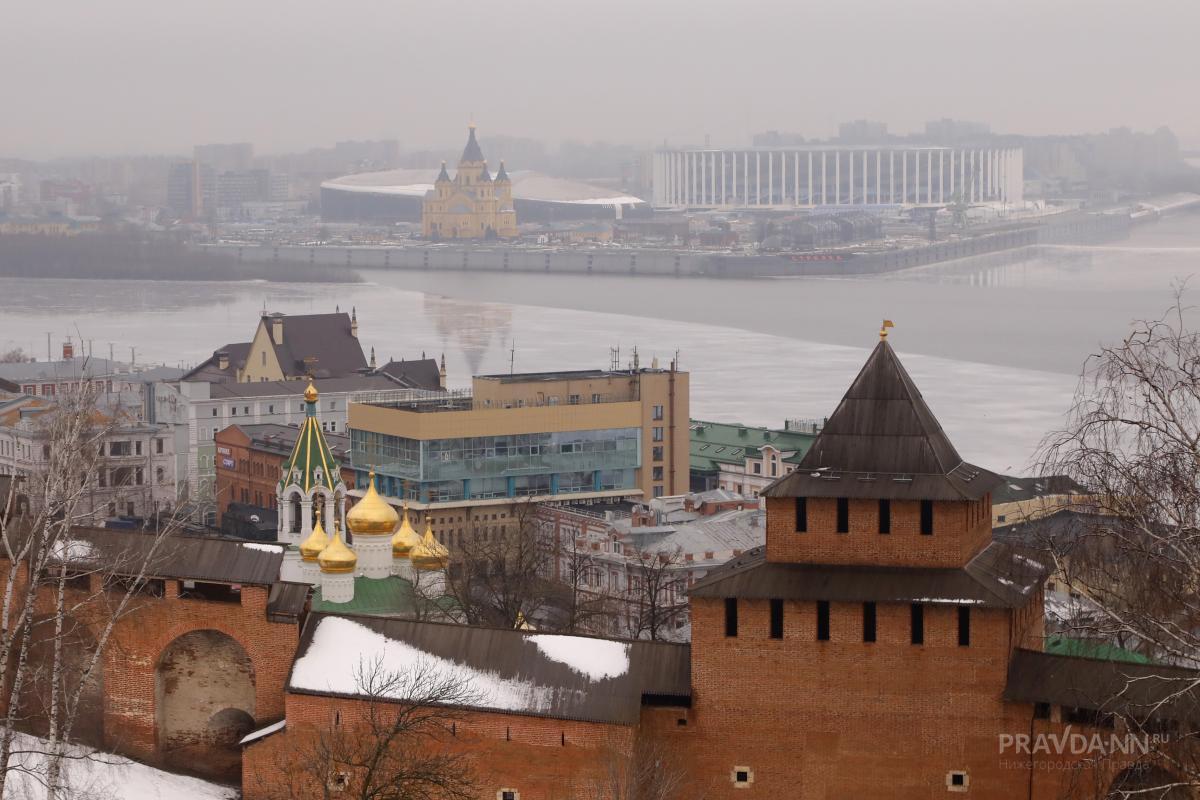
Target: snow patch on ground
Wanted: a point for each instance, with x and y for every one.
(266, 548)
(340, 646)
(114, 778)
(595, 659)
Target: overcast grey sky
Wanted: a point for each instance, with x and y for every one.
(148, 76)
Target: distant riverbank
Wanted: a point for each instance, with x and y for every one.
(131, 256)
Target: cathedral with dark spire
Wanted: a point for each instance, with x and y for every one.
(472, 205)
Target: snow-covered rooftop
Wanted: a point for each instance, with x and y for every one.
(514, 671)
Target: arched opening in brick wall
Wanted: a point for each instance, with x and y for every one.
(1146, 782)
(78, 647)
(204, 703)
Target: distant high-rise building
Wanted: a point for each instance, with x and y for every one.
(237, 157)
(862, 131)
(948, 131)
(198, 189)
(776, 139)
(191, 189)
(10, 190)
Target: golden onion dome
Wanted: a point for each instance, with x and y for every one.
(316, 541)
(429, 554)
(310, 394)
(372, 516)
(337, 559)
(405, 539)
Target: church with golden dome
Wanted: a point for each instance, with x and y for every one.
(369, 553)
(472, 205)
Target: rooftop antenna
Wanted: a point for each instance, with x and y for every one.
(512, 357)
(614, 358)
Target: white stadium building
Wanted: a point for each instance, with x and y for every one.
(396, 195)
(810, 177)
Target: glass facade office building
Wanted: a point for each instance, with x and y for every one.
(485, 467)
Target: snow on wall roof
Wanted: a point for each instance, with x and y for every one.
(526, 185)
(512, 671)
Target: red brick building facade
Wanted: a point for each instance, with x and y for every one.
(249, 460)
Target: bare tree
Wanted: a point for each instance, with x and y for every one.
(643, 771)
(656, 597)
(14, 356)
(390, 743)
(1133, 438)
(499, 573)
(60, 590)
(581, 598)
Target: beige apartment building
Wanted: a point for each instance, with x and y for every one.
(466, 460)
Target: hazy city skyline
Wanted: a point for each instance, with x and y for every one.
(130, 77)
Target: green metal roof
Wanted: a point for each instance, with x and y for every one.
(1064, 646)
(390, 596)
(716, 443)
(311, 462)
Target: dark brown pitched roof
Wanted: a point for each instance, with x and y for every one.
(186, 557)
(1014, 489)
(211, 372)
(420, 374)
(277, 438)
(998, 577)
(327, 339)
(1116, 687)
(883, 441)
(286, 600)
(656, 670)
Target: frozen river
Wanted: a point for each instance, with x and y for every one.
(996, 350)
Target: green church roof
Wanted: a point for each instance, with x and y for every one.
(387, 597)
(311, 463)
